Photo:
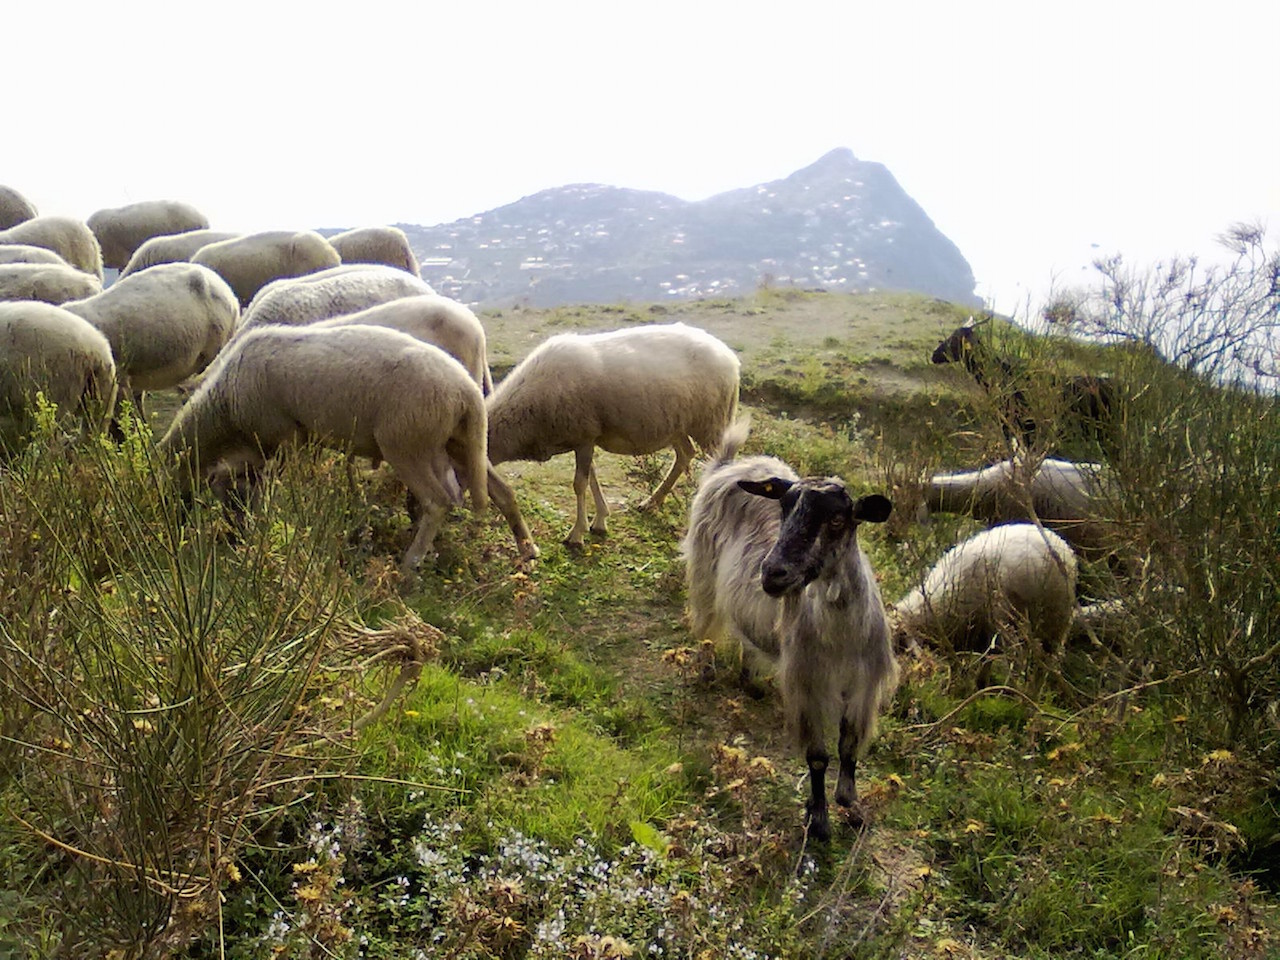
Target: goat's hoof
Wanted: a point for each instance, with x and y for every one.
(819, 826)
(600, 532)
(856, 816)
(575, 546)
(752, 687)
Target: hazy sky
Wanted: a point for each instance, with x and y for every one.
(1028, 131)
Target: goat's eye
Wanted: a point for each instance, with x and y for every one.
(837, 522)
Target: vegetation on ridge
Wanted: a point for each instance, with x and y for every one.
(572, 774)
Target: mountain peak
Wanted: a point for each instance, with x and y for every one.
(840, 223)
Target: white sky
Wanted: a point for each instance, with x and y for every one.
(1029, 131)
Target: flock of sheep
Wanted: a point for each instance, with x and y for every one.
(295, 336)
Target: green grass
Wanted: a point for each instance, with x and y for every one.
(573, 775)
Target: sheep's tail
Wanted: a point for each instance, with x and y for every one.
(731, 441)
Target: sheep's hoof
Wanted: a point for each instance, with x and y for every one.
(601, 532)
(575, 546)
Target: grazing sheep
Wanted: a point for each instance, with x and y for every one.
(121, 230)
(164, 324)
(68, 238)
(448, 324)
(26, 253)
(387, 245)
(14, 208)
(793, 581)
(50, 282)
(249, 263)
(378, 393)
(1010, 578)
(48, 349)
(632, 391)
(173, 248)
(1089, 400)
(330, 293)
(1064, 496)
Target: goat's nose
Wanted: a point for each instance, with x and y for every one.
(774, 579)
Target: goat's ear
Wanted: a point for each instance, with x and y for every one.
(774, 488)
(872, 509)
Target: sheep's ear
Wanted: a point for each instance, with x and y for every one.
(872, 509)
(774, 488)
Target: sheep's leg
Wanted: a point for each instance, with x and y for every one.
(599, 525)
(684, 456)
(581, 480)
(432, 495)
(432, 515)
(501, 494)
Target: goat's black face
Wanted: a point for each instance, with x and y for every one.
(819, 523)
(954, 348)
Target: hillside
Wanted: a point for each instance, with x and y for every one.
(572, 774)
(841, 224)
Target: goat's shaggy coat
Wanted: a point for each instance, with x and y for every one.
(632, 391)
(793, 582)
(375, 392)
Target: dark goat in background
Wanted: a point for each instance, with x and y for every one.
(1089, 400)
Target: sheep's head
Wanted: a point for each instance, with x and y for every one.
(819, 525)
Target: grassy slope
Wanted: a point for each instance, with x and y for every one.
(569, 701)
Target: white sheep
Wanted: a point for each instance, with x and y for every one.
(1065, 496)
(250, 262)
(164, 324)
(448, 324)
(173, 248)
(1017, 579)
(14, 208)
(54, 283)
(387, 245)
(378, 393)
(330, 293)
(69, 238)
(791, 580)
(48, 349)
(26, 253)
(632, 391)
(121, 230)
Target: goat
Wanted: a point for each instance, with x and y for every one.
(794, 583)
(1090, 400)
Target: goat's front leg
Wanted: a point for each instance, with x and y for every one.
(850, 745)
(816, 756)
(816, 808)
